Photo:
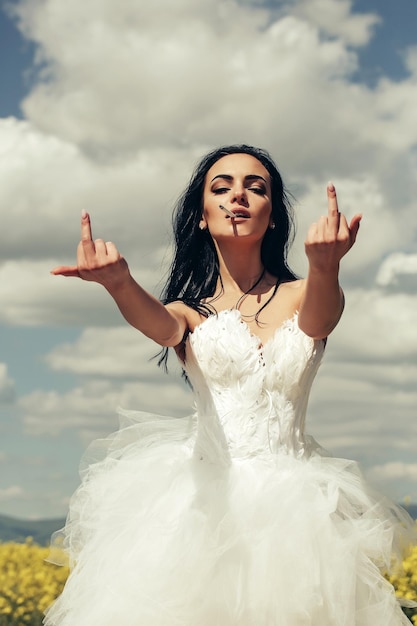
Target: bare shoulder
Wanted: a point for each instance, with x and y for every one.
(293, 291)
(293, 285)
(288, 300)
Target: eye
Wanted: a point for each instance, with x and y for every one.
(260, 191)
(220, 190)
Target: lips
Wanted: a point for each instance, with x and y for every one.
(241, 213)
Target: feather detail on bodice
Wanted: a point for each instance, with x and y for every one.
(251, 398)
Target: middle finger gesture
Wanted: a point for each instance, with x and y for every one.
(329, 239)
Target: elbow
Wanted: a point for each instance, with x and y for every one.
(165, 340)
(318, 331)
(318, 336)
(172, 340)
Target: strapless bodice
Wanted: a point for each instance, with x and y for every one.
(251, 399)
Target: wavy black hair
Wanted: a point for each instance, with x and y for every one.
(194, 272)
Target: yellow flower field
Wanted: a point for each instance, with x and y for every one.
(406, 583)
(28, 584)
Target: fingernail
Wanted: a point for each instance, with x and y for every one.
(330, 186)
(83, 214)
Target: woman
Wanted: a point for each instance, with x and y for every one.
(233, 516)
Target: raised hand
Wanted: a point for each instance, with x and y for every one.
(97, 261)
(329, 239)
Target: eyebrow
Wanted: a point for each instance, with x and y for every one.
(248, 177)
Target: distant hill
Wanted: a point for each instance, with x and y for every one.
(14, 529)
(412, 509)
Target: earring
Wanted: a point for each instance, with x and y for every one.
(202, 226)
(272, 226)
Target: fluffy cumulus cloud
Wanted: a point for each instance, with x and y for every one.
(46, 181)
(336, 19)
(33, 297)
(129, 95)
(398, 269)
(387, 475)
(118, 369)
(379, 326)
(111, 353)
(126, 103)
(382, 228)
(91, 408)
(116, 78)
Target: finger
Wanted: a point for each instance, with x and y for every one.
(312, 233)
(354, 225)
(66, 270)
(333, 209)
(100, 246)
(112, 251)
(343, 227)
(332, 200)
(322, 227)
(86, 234)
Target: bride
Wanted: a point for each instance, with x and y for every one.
(234, 516)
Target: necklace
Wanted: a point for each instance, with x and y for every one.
(244, 295)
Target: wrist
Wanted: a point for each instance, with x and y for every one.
(118, 286)
(326, 272)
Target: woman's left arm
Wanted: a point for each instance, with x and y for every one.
(327, 242)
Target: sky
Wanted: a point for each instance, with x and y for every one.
(107, 107)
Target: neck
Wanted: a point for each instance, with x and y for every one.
(239, 269)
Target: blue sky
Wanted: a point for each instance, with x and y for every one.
(16, 61)
(395, 32)
(114, 118)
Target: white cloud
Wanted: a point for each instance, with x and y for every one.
(336, 19)
(381, 229)
(7, 386)
(123, 77)
(11, 493)
(410, 59)
(91, 408)
(363, 403)
(143, 155)
(395, 470)
(110, 353)
(124, 65)
(31, 296)
(395, 478)
(396, 266)
(46, 182)
(377, 325)
(364, 416)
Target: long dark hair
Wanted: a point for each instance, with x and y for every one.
(194, 271)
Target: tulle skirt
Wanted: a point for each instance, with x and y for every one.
(158, 537)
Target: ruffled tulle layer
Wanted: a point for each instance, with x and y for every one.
(159, 537)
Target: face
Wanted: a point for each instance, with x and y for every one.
(242, 184)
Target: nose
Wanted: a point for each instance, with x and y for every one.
(239, 195)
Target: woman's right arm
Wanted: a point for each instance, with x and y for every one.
(101, 262)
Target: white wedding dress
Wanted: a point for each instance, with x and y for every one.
(234, 516)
